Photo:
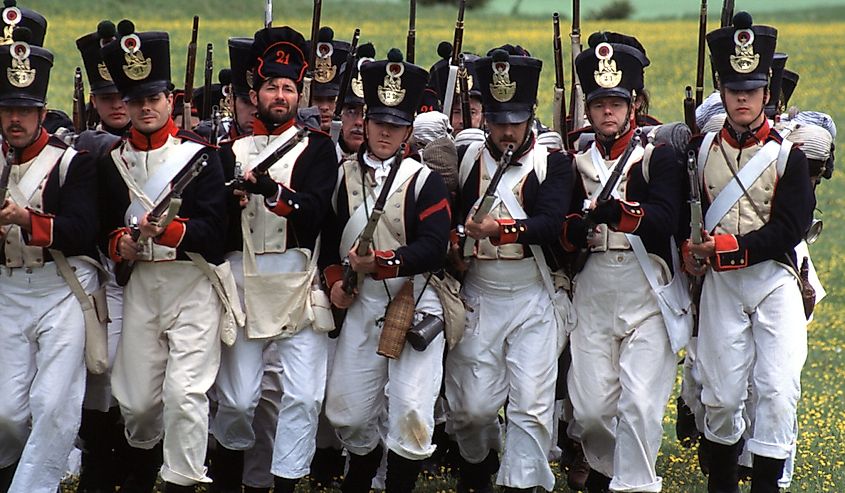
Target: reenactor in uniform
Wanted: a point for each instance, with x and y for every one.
(752, 319)
(408, 246)
(440, 78)
(499, 360)
(622, 360)
(242, 109)
(101, 433)
(279, 228)
(169, 350)
(48, 222)
(328, 62)
(352, 117)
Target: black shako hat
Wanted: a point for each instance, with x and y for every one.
(14, 17)
(776, 84)
(742, 53)
(393, 89)
(615, 38)
(278, 52)
(610, 70)
(355, 95)
(26, 71)
(508, 82)
(330, 57)
(788, 85)
(241, 64)
(139, 63)
(440, 73)
(95, 68)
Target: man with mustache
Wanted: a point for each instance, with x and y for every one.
(622, 360)
(101, 432)
(512, 339)
(49, 214)
(352, 117)
(169, 350)
(752, 326)
(329, 60)
(408, 246)
(273, 238)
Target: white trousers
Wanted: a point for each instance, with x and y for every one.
(42, 373)
(356, 397)
(98, 394)
(508, 354)
(622, 371)
(167, 360)
(752, 328)
(302, 359)
(258, 459)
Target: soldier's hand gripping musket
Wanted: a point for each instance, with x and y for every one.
(262, 167)
(365, 239)
(613, 180)
(161, 214)
(489, 197)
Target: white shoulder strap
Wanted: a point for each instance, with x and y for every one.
(422, 177)
(703, 152)
(471, 155)
(649, 149)
(541, 162)
(733, 191)
(64, 164)
(783, 156)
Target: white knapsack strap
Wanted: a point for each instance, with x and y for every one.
(604, 172)
(732, 192)
(473, 152)
(703, 152)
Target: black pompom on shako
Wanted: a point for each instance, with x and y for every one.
(444, 49)
(24, 71)
(508, 84)
(328, 64)
(742, 54)
(138, 62)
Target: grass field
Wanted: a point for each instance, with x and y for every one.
(817, 52)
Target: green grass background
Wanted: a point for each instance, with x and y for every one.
(816, 51)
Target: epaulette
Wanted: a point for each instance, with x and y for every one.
(194, 137)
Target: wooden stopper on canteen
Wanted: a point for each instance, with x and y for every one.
(397, 321)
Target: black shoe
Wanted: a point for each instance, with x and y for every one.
(143, 470)
(7, 474)
(327, 468)
(476, 477)
(765, 474)
(685, 427)
(579, 471)
(724, 470)
(226, 470)
(175, 488)
(284, 485)
(597, 482)
(402, 473)
(362, 470)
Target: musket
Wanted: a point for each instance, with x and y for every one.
(699, 68)
(365, 239)
(80, 121)
(312, 56)
(576, 98)
(689, 110)
(727, 12)
(463, 90)
(457, 46)
(559, 109)
(345, 83)
(272, 159)
(216, 118)
(410, 46)
(189, 75)
(161, 214)
(268, 14)
(489, 197)
(696, 216)
(205, 111)
(613, 180)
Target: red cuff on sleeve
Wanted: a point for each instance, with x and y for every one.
(728, 254)
(173, 233)
(509, 231)
(333, 274)
(567, 245)
(285, 203)
(387, 264)
(114, 238)
(42, 229)
(632, 214)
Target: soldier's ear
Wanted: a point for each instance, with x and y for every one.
(766, 96)
(253, 97)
